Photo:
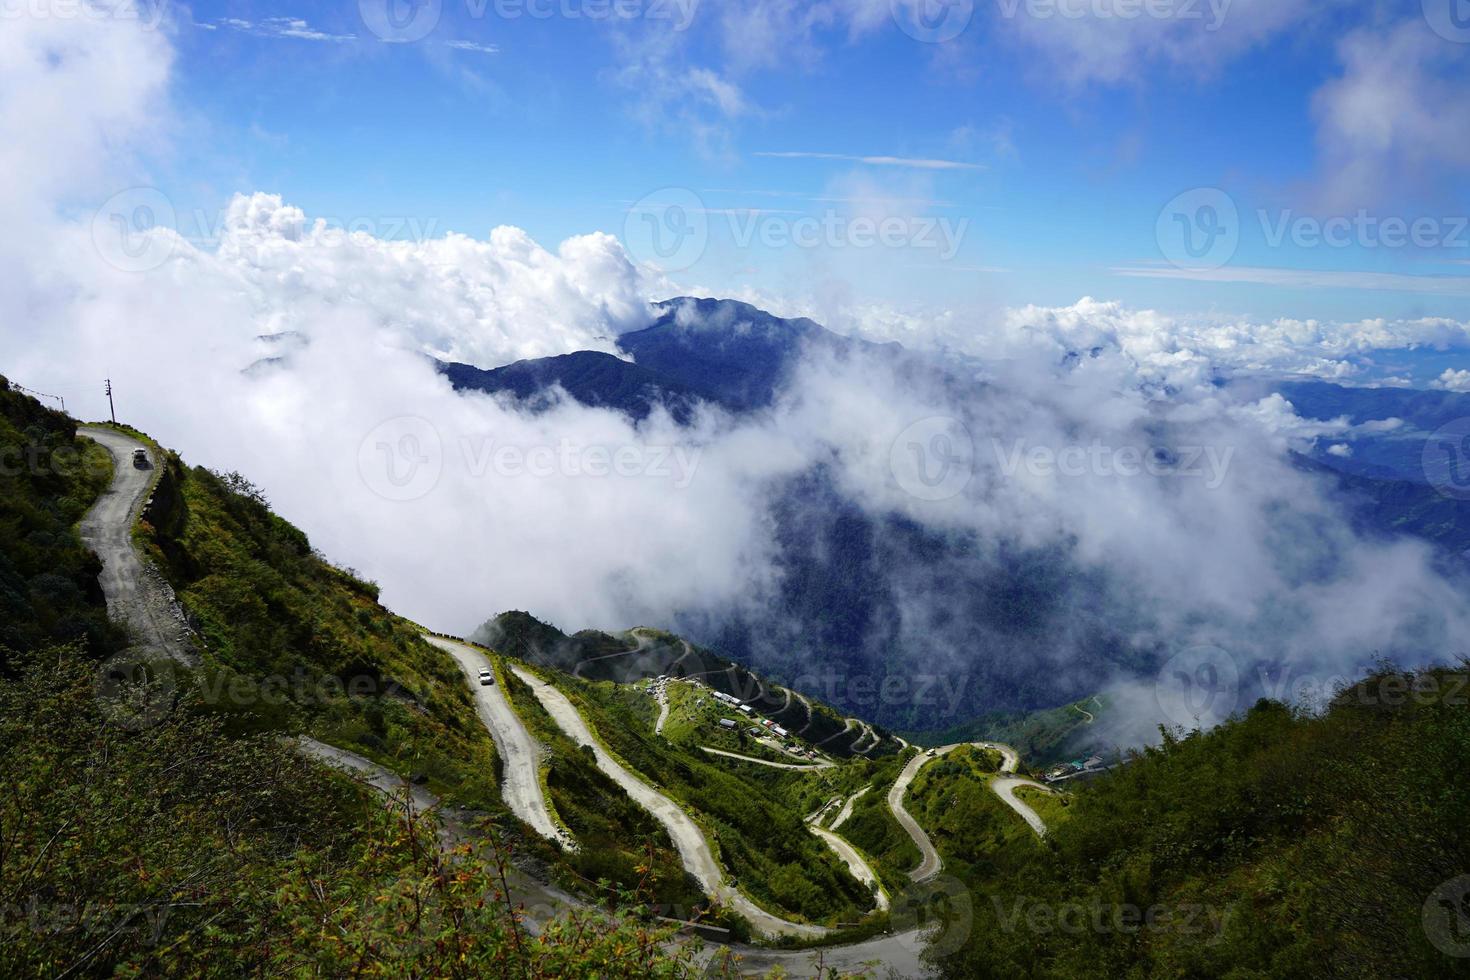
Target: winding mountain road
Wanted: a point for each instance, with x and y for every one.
(1004, 787)
(133, 597)
(846, 810)
(520, 754)
(694, 849)
(388, 783)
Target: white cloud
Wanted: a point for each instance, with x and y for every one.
(1395, 119)
(1175, 558)
(1096, 43)
(1452, 380)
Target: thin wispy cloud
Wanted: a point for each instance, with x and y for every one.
(283, 27)
(297, 29)
(917, 202)
(914, 163)
(1306, 278)
(475, 46)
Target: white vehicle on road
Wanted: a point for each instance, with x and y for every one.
(486, 678)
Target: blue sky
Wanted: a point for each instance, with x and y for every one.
(1047, 146)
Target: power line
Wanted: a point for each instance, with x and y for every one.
(39, 394)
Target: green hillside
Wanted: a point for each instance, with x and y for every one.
(1278, 845)
(48, 581)
(293, 642)
(200, 844)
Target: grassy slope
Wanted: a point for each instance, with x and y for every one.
(184, 850)
(952, 799)
(873, 829)
(184, 847)
(293, 642)
(48, 581)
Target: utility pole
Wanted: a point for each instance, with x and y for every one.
(110, 407)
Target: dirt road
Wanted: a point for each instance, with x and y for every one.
(520, 754)
(135, 597)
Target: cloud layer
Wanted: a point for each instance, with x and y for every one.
(461, 505)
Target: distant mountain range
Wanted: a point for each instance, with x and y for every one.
(848, 578)
(727, 353)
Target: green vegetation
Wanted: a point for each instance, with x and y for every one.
(48, 581)
(199, 844)
(1052, 808)
(1281, 844)
(293, 642)
(181, 850)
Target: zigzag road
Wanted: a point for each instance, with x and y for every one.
(1004, 787)
(689, 840)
